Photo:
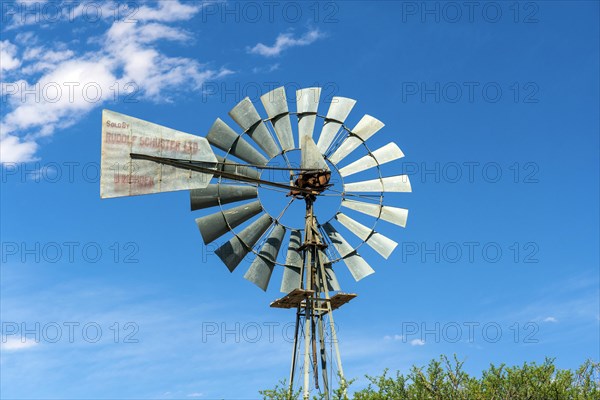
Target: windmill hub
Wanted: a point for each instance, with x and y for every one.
(316, 181)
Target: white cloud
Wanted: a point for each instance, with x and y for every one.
(8, 56)
(17, 343)
(417, 342)
(153, 32)
(394, 337)
(550, 319)
(72, 83)
(195, 394)
(167, 11)
(14, 149)
(285, 41)
(55, 106)
(266, 69)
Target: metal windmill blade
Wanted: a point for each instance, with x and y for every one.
(356, 264)
(234, 251)
(383, 155)
(398, 183)
(293, 264)
(261, 269)
(246, 116)
(377, 241)
(307, 104)
(275, 103)
(215, 225)
(215, 194)
(330, 276)
(225, 138)
(394, 215)
(338, 112)
(366, 127)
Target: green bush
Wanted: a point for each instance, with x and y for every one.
(444, 379)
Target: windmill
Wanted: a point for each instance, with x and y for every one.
(139, 157)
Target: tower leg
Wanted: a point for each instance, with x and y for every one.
(323, 357)
(306, 359)
(294, 354)
(332, 327)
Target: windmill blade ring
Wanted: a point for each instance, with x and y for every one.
(265, 235)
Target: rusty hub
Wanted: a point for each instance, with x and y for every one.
(315, 181)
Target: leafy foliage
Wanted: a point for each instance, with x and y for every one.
(281, 392)
(445, 379)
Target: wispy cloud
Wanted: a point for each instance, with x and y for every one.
(17, 343)
(266, 69)
(393, 337)
(69, 83)
(550, 319)
(414, 342)
(168, 11)
(285, 41)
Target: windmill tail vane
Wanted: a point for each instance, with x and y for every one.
(140, 157)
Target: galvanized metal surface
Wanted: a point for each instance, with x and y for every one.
(275, 103)
(385, 154)
(380, 243)
(122, 176)
(356, 264)
(307, 104)
(395, 215)
(332, 282)
(291, 279)
(261, 269)
(398, 183)
(209, 196)
(338, 112)
(246, 116)
(234, 251)
(225, 138)
(291, 271)
(365, 128)
(216, 225)
(311, 157)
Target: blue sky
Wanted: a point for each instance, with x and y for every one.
(495, 108)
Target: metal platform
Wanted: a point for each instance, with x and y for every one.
(340, 299)
(297, 296)
(292, 299)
